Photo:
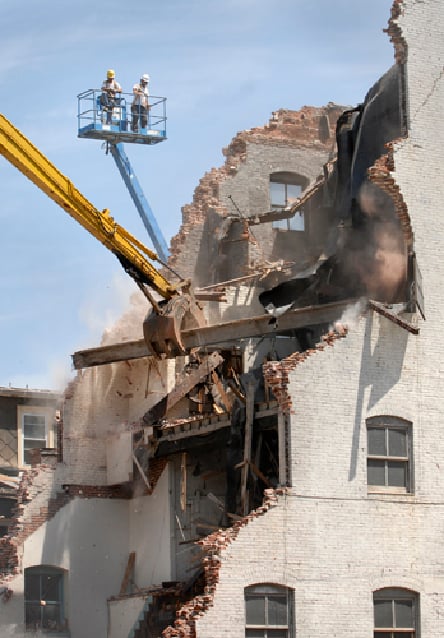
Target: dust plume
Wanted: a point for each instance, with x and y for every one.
(375, 254)
(388, 273)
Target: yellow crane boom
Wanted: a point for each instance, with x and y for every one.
(162, 332)
(16, 148)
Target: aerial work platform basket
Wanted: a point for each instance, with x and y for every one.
(114, 124)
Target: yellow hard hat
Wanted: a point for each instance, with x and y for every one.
(110, 74)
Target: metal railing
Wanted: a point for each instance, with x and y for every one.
(119, 118)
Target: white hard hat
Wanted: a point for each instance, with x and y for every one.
(145, 77)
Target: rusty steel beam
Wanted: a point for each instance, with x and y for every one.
(221, 333)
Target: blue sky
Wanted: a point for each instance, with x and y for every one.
(224, 66)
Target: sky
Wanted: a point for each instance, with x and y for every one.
(223, 65)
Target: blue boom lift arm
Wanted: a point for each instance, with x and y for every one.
(139, 199)
(116, 128)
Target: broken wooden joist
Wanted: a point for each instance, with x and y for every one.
(391, 316)
(275, 215)
(129, 571)
(190, 378)
(210, 295)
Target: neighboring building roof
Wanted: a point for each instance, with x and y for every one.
(30, 393)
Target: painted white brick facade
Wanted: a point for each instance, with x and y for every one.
(329, 539)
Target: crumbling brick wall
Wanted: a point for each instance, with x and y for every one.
(381, 175)
(37, 502)
(215, 545)
(277, 373)
(332, 542)
(294, 141)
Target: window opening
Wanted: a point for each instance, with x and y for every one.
(389, 453)
(268, 612)
(44, 609)
(395, 613)
(6, 514)
(34, 434)
(35, 429)
(283, 195)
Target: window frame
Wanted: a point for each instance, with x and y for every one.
(390, 424)
(32, 410)
(60, 603)
(394, 595)
(297, 222)
(264, 591)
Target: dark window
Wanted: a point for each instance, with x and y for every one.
(6, 510)
(389, 447)
(268, 611)
(395, 613)
(44, 604)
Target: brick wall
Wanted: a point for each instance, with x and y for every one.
(325, 537)
(296, 141)
(214, 547)
(328, 538)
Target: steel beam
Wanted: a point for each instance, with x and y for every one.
(218, 334)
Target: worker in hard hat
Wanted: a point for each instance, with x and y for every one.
(109, 98)
(140, 105)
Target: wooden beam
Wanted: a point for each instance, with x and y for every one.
(282, 448)
(223, 395)
(270, 216)
(5, 478)
(259, 474)
(234, 517)
(142, 473)
(183, 481)
(190, 379)
(285, 213)
(207, 336)
(236, 391)
(249, 418)
(128, 573)
(391, 316)
(207, 295)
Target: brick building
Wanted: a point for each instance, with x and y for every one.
(287, 479)
(28, 420)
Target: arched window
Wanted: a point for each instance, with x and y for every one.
(396, 613)
(389, 454)
(44, 599)
(268, 611)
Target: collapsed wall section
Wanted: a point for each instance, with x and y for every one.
(378, 370)
(215, 547)
(299, 142)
